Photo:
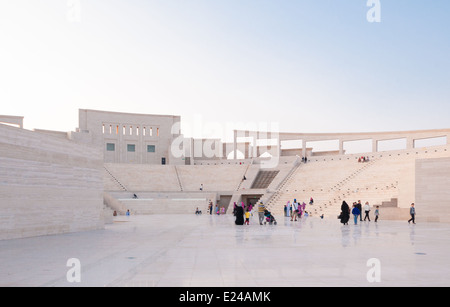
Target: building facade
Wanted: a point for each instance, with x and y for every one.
(132, 138)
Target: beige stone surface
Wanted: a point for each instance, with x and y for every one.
(388, 175)
(432, 190)
(211, 251)
(141, 130)
(48, 185)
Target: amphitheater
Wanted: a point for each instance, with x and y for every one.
(84, 181)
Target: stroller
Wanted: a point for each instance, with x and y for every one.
(269, 218)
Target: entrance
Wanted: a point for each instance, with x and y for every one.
(251, 200)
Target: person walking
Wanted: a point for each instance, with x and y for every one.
(359, 206)
(294, 210)
(261, 209)
(345, 213)
(301, 208)
(239, 215)
(210, 207)
(366, 211)
(377, 213)
(288, 209)
(356, 212)
(412, 212)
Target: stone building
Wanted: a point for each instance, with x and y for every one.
(132, 138)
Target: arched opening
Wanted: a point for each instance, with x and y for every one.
(239, 155)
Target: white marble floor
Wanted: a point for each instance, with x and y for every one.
(197, 251)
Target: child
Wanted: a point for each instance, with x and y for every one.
(247, 217)
(377, 212)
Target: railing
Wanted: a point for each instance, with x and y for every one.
(283, 182)
(115, 179)
(178, 178)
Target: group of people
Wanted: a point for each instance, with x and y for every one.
(363, 159)
(240, 211)
(296, 209)
(356, 211)
(217, 209)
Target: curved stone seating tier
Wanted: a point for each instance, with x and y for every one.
(387, 177)
(141, 177)
(160, 202)
(213, 177)
(383, 181)
(170, 178)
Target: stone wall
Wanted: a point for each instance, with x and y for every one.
(432, 190)
(132, 138)
(48, 184)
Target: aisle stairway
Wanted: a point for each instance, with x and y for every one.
(342, 180)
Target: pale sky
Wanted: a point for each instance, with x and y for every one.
(306, 65)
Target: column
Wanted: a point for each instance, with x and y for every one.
(235, 145)
(303, 148)
(254, 137)
(279, 146)
(374, 145)
(341, 146)
(409, 143)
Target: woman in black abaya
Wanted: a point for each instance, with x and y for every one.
(345, 213)
(239, 215)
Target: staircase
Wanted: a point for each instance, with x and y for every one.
(264, 179)
(391, 203)
(243, 175)
(272, 198)
(115, 180)
(178, 178)
(328, 194)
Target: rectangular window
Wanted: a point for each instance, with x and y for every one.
(131, 147)
(157, 131)
(151, 131)
(110, 147)
(143, 131)
(151, 148)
